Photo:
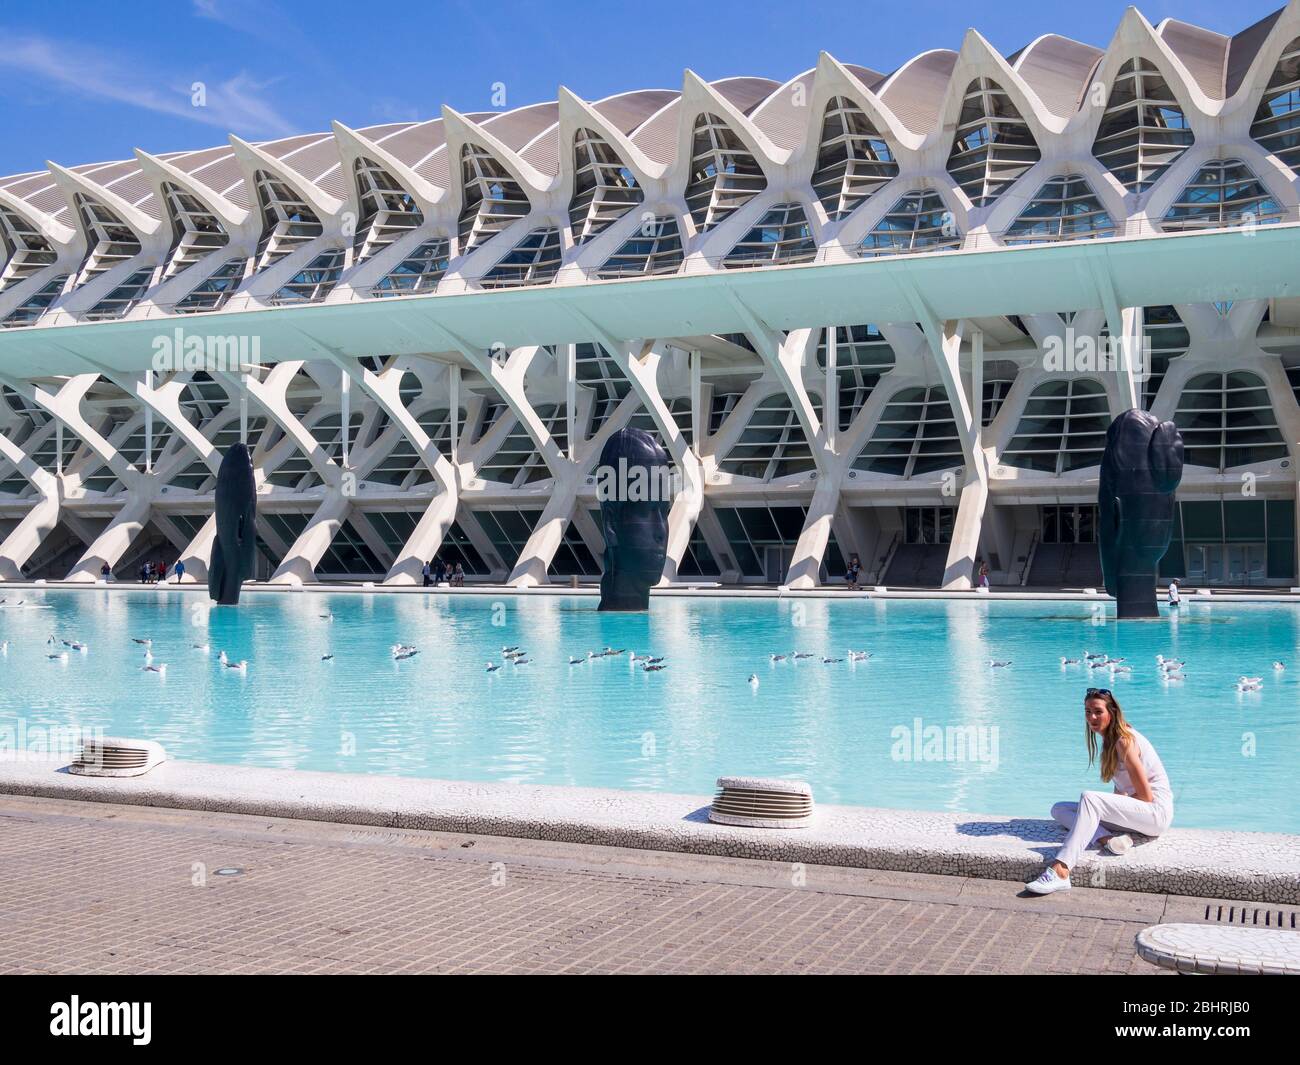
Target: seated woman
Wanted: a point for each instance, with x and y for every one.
(1142, 801)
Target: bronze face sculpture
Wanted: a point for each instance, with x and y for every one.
(1140, 470)
(234, 552)
(632, 485)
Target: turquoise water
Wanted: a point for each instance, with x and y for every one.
(1232, 757)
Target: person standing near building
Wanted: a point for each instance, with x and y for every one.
(427, 572)
(179, 570)
(984, 575)
(1174, 600)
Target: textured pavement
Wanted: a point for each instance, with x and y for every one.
(95, 888)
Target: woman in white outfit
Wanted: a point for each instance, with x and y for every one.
(1142, 801)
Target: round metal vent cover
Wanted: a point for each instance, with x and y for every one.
(110, 756)
(754, 802)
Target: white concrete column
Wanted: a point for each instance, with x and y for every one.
(23, 541)
(304, 555)
(805, 567)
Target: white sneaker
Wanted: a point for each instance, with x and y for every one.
(1119, 844)
(1048, 882)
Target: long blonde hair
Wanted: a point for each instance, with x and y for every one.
(1118, 730)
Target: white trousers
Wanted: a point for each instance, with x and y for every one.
(1102, 813)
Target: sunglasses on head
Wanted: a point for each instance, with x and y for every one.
(1103, 692)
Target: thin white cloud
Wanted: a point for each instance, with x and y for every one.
(234, 104)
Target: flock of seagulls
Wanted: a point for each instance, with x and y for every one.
(1168, 670)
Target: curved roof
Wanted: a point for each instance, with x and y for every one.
(1056, 68)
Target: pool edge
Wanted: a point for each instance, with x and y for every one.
(1237, 866)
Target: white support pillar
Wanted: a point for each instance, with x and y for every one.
(453, 387)
(345, 389)
(39, 521)
(698, 421)
(831, 410)
(148, 426)
(570, 370)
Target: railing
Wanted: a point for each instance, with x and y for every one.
(939, 243)
(1029, 558)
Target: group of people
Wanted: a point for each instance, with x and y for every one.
(436, 572)
(156, 572)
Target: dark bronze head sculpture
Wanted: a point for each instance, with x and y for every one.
(234, 552)
(1140, 470)
(632, 484)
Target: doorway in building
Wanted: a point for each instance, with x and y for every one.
(1233, 564)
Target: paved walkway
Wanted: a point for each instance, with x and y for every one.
(96, 888)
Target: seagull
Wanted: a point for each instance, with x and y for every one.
(1090, 655)
(1244, 686)
(652, 668)
(520, 661)
(507, 650)
(148, 655)
(327, 658)
(404, 654)
(994, 664)
(777, 658)
(802, 654)
(492, 667)
(326, 617)
(1069, 661)
(654, 661)
(135, 639)
(154, 669)
(1256, 681)
(59, 656)
(1174, 676)
(1121, 669)
(859, 654)
(753, 681)
(1098, 664)
(1279, 666)
(830, 661)
(572, 661)
(4, 648)
(400, 648)
(240, 666)
(201, 647)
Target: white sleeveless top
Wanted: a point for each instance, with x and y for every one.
(1155, 770)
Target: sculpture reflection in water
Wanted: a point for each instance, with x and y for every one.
(1140, 471)
(234, 552)
(633, 486)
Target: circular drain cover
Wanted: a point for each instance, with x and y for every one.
(229, 870)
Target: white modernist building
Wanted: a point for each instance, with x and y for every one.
(867, 314)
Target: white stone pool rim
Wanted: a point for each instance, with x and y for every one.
(1233, 866)
(703, 590)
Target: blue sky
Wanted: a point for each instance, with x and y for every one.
(84, 81)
